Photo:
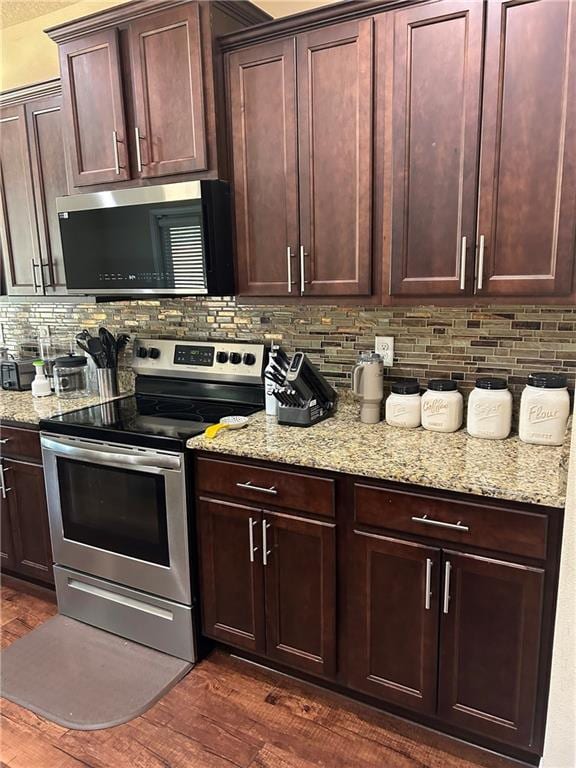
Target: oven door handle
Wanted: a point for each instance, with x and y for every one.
(153, 463)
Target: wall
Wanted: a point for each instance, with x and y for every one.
(429, 342)
(27, 55)
(560, 743)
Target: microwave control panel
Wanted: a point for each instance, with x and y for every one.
(239, 361)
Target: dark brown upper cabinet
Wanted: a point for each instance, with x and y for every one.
(94, 108)
(262, 92)
(50, 178)
(490, 646)
(170, 131)
(527, 211)
(34, 174)
(306, 229)
(510, 232)
(335, 154)
(143, 90)
(436, 62)
(18, 231)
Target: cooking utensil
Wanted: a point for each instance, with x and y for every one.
(226, 422)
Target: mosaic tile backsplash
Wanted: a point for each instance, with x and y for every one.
(460, 343)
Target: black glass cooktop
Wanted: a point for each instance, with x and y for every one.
(146, 420)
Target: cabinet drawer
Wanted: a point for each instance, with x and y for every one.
(518, 533)
(291, 490)
(20, 443)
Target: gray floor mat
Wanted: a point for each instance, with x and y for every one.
(84, 678)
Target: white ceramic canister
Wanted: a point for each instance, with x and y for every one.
(403, 406)
(490, 409)
(544, 409)
(442, 406)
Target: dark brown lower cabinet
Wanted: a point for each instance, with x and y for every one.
(269, 583)
(300, 579)
(490, 646)
(25, 521)
(446, 603)
(394, 620)
(232, 578)
(6, 541)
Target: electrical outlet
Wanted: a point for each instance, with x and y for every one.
(384, 346)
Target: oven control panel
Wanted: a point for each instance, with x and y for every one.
(240, 361)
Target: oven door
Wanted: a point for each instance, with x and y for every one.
(119, 512)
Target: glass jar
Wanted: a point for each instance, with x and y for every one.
(442, 406)
(403, 405)
(70, 379)
(544, 409)
(490, 409)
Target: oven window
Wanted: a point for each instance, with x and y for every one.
(118, 510)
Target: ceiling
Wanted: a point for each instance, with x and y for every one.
(16, 11)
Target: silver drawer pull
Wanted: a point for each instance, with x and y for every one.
(248, 486)
(453, 526)
(4, 440)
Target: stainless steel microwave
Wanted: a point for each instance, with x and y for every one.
(163, 240)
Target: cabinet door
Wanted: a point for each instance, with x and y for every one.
(26, 499)
(7, 559)
(262, 104)
(335, 151)
(49, 173)
(436, 59)
(489, 646)
(166, 63)
(18, 232)
(231, 573)
(300, 576)
(394, 603)
(94, 108)
(527, 212)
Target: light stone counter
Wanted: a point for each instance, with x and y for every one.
(20, 408)
(502, 469)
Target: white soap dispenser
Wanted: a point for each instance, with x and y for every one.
(40, 383)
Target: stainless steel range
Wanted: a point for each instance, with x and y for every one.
(117, 483)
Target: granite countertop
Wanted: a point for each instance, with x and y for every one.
(23, 409)
(501, 469)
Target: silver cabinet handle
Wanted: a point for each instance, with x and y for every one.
(428, 586)
(447, 569)
(463, 264)
(116, 156)
(480, 278)
(3, 489)
(265, 550)
(454, 526)
(138, 152)
(251, 524)
(289, 259)
(5, 440)
(248, 485)
(34, 266)
(302, 269)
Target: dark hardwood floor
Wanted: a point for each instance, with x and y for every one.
(225, 713)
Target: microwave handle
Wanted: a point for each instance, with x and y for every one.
(155, 462)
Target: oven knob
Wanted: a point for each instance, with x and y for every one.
(249, 358)
(154, 353)
(141, 352)
(221, 357)
(235, 358)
